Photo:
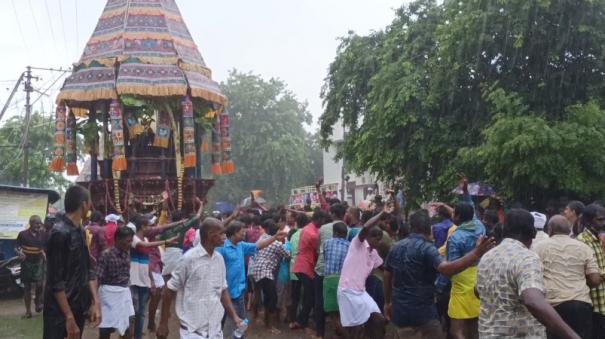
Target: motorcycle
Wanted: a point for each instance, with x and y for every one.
(10, 275)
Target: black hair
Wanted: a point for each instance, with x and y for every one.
(599, 202)
(270, 227)
(96, 217)
(123, 232)
(139, 221)
(366, 215)
(576, 206)
(444, 212)
(339, 230)
(246, 220)
(233, 228)
(339, 210)
(404, 230)
(420, 222)
(75, 196)
(464, 211)
(319, 215)
(291, 233)
(267, 223)
(257, 220)
(519, 224)
(393, 222)
(375, 232)
(590, 213)
(333, 201)
(302, 220)
(491, 216)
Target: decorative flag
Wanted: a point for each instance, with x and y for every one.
(117, 136)
(70, 144)
(58, 163)
(228, 166)
(216, 148)
(134, 127)
(162, 137)
(203, 140)
(188, 133)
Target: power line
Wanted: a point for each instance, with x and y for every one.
(19, 26)
(50, 23)
(77, 31)
(31, 9)
(62, 24)
(49, 87)
(60, 69)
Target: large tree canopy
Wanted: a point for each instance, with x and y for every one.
(271, 149)
(492, 88)
(40, 141)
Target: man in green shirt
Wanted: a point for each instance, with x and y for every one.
(337, 212)
(173, 253)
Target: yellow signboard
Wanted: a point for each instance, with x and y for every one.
(16, 208)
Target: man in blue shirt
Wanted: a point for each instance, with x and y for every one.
(441, 228)
(234, 252)
(463, 307)
(410, 271)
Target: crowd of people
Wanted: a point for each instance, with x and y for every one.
(466, 271)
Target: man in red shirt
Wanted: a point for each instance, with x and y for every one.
(111, 225)
(304, 266)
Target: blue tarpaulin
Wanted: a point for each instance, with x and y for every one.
(224, 207)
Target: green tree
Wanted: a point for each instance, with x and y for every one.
(40, 140)
(416, 97)
(271, 149)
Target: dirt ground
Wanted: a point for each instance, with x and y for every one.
(14, 327)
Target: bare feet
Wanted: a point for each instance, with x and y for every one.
(294, 326)
(151, 327)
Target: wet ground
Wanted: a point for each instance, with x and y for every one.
(14, 327)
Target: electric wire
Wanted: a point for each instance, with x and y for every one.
(19, 26)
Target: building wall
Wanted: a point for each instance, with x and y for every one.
(333, 175)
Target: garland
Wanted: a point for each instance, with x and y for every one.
(58, 164)
(117, 135)
(188, 133)
(216, 147)
(203, 140)
(228, 166)
(71, 157)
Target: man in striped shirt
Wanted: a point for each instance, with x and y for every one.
(31, 244)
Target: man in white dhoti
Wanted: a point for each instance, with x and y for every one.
(113, 274)
(359, 315)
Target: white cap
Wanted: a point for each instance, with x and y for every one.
(132, 227)
(539, 220)
(113, 218)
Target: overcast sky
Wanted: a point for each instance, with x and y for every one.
(291, 40)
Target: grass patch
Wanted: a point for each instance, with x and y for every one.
(14, 327)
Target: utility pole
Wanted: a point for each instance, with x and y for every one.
(28, 110)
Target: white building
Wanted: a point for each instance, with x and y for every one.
(359, 187)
